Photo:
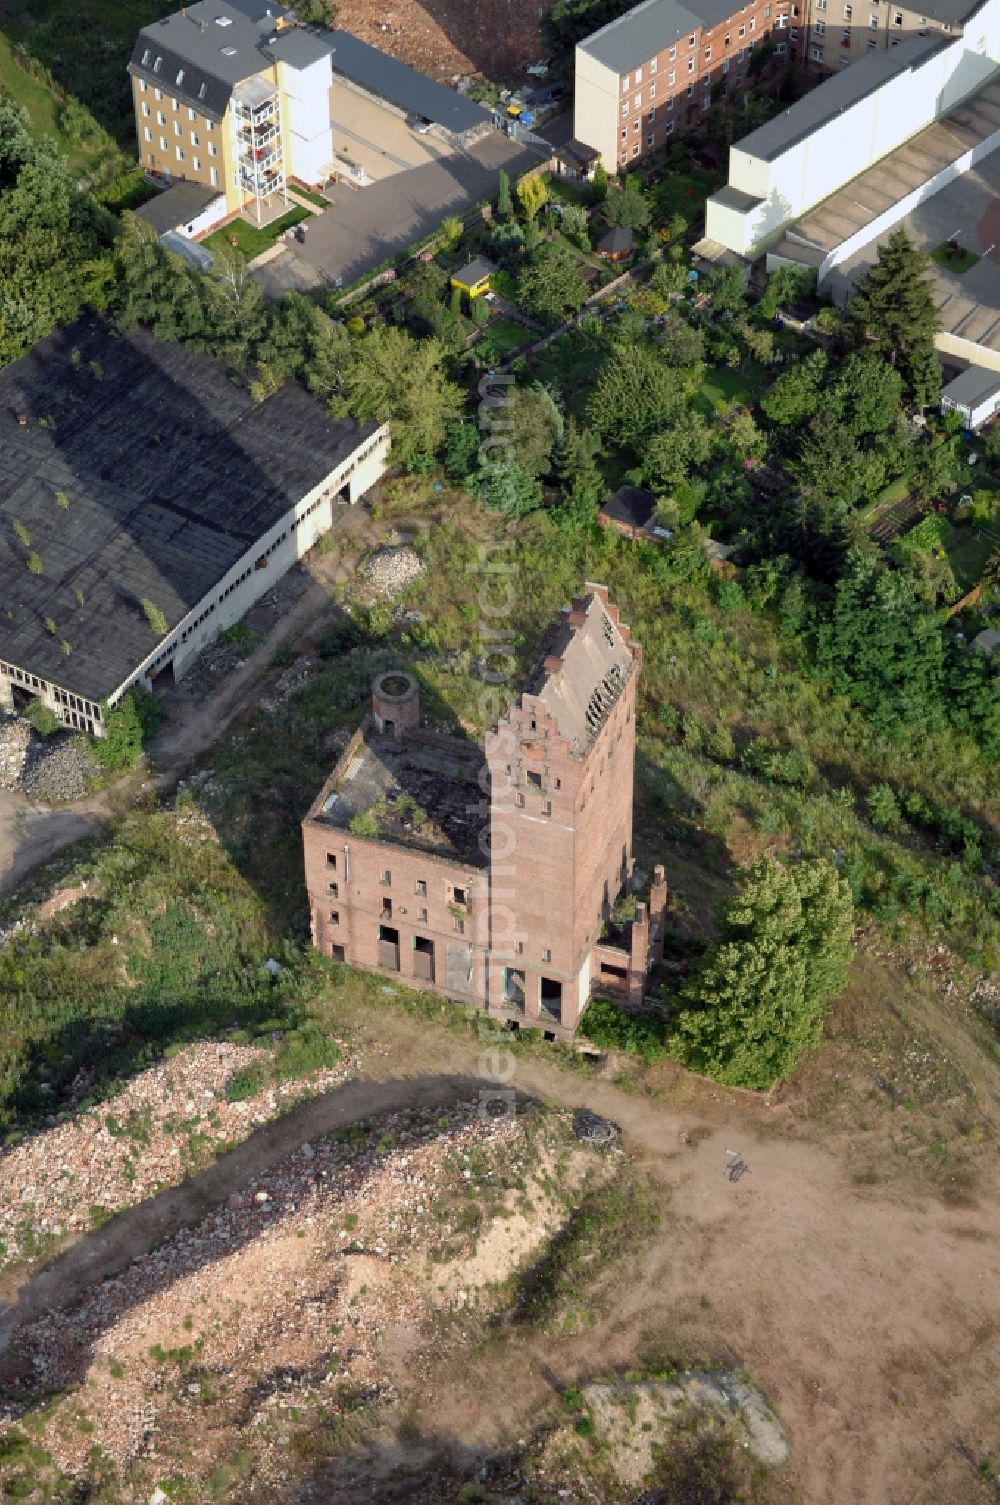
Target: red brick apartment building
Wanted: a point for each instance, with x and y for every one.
(491, 873)
(659, 68)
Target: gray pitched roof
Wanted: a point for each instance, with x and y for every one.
(176, 205)
(152, 475)
(630, 504)
(595, 663)
(205, 50)
(475, 271)
(646, 29)
(618, 239)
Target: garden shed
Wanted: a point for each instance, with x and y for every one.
(974, 395)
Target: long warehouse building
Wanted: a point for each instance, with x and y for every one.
(146, 502)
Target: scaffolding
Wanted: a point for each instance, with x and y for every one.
(258, 154)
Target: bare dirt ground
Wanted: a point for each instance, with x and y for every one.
(450, 39)
(31, 833)
(866, 1312)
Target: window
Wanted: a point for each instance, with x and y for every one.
(848, 12)
(177, 128)
(897, 18)
(202, 89)
(458, 895)
(672, 54)
(334, 890)
(781, 49)
(652, 66)
(518, 948)
(652, 91)
(145, 60)
(820, 4)
(637, 127)
(816, 53)
(161, 119)
(334, 916)
(820, 28)
(690, 93)
(727, 39)
(192, 115)
(725, 65)
(706, 102)
(164, 144)
(794, 33)
(158, 65)
(845, 38)
(148, 134)
(650, 117)
(213, 176)
(741, 54)
(195, 139)
(175, 103)
(638, 75)
(637, 102)
(534, 778)
(157, 93)
(624, 107)
(213, 150)
(420, 888)
(421, 914)
(691, 40)
(753, 23)
(513, 987)
(742, 31)
(145, 111)
(672, 76)
(385, 877)
(690, 64)
(649, 139)
(180, 77)
(546, 954)
(331, 859)
(873, 22)
(459, 925)
(547, 804)
(387, 909)
(180, 154)
(670, 106)
(670, 126)
(708, 54)
(624, 133)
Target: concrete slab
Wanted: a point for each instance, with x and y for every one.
(376, 137)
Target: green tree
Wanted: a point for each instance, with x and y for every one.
(391, 376)
(576, 226)
(635, 395)
(892, 312)
(509, 488)
(865, 396)
(452, 229)
(461, 453)
(532, 195)
(883, 647)
(786, 284)
(551, 283)
(628, 208)
(583, 486)
(759, 999)
(833, 466)
(680, 344)
(504, 205)
(671, 454)
(535, 427)
(795, 396)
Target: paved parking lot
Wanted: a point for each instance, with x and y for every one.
(366, 226)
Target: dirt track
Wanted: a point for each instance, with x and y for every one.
(866, 1316)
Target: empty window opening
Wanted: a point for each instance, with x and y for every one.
(331, 859)
(337, 952)
(550, 998)
(423, 958)
(388, 947)
(334, 916)
(513, 987)
(619, 974)
(534, 778)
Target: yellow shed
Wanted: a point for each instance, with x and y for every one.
(474, 279)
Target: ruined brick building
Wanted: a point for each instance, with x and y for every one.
(495, 874)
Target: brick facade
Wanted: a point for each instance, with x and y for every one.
(490, 874)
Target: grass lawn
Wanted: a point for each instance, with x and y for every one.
(723, 386)
(682, 193)
(953, 258)
(508, 335)
(968, 549)
(309, 196)
(250, 241)
(43, 108)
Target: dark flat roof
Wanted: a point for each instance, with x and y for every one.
(837, 94)
(176, 205)
(401, 85)
(298, 48)
(169, 471)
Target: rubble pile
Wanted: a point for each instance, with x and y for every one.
(15, 738)
(391, 570)
(287, 1301)
(165, 1123)
(57, 768)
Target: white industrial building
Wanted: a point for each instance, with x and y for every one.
(146, 503)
